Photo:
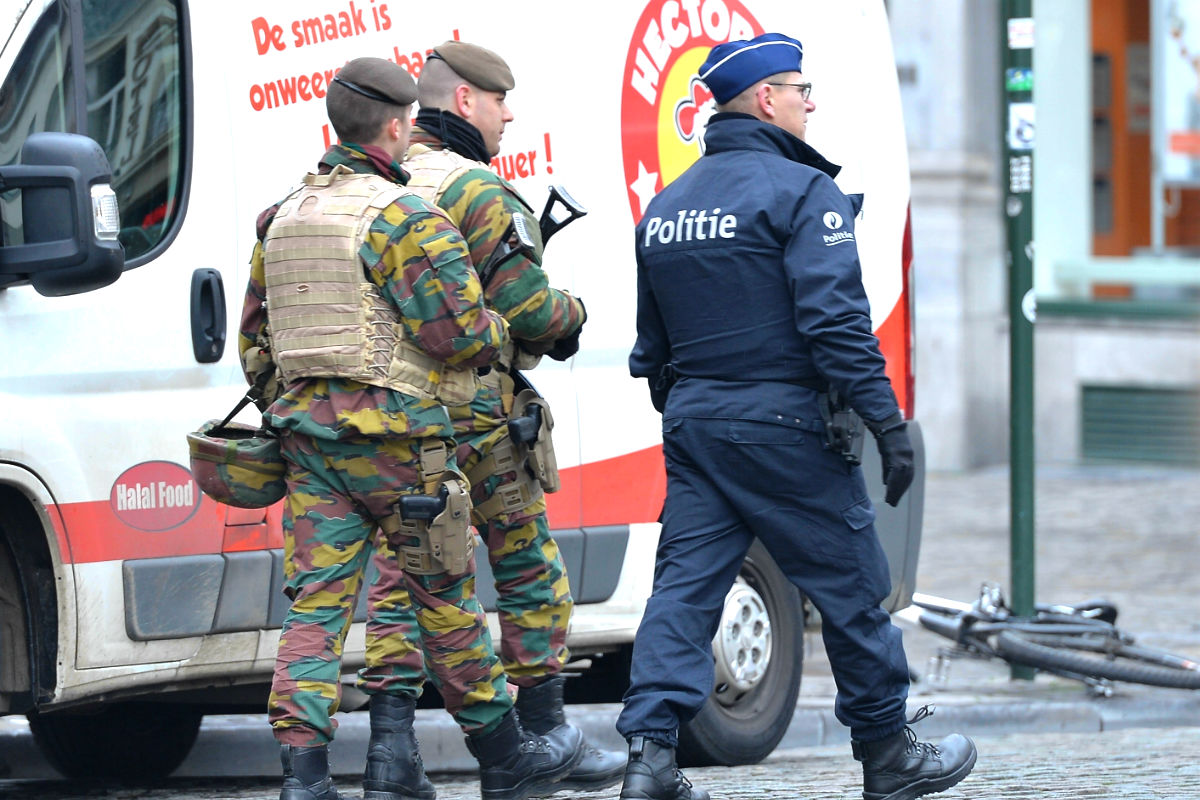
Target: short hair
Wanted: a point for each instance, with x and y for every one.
(436, 84)
(360, 120)
(744, 101)
(365, 94)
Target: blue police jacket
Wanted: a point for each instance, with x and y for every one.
(749, 283)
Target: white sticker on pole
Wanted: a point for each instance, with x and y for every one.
(1020, 126)
(1020, 33)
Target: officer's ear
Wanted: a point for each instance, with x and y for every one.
(764, 101)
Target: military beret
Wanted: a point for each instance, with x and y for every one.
(733, 67)
(476, 64)
(378, 79)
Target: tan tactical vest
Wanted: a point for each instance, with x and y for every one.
(430, 173)
(326, 319)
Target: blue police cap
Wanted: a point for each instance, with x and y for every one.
(734, 66)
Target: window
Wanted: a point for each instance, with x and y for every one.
(38, 96)
(129, 75)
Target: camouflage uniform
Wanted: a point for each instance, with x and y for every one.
(352, 450)
(534, 597)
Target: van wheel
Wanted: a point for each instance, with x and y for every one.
(127, 741)
(759, 653)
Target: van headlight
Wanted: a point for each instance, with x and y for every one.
(106, 217)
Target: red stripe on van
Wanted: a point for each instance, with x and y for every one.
(95, 533)
(893, 340)
(616, 491)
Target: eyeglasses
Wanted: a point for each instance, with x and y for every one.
(805, 88)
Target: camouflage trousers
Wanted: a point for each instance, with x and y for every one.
(534, 597)
(336, 493)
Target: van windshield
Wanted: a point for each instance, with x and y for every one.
(131, 105)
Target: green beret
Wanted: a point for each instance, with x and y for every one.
(477, 64)
(376, 78)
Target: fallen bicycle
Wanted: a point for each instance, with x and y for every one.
(1080, 642)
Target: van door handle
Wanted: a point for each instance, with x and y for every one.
(208, 315)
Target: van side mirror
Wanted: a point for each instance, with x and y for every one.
(69, 217)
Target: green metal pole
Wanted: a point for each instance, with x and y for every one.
(1017, 47)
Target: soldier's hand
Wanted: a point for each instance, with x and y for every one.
(568, 346)
(565, 347)
(896, 454)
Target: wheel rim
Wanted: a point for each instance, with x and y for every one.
(742, 646)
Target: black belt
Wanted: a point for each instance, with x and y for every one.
(816, 384)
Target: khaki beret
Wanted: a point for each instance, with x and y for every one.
(477, 64)
(378, 79)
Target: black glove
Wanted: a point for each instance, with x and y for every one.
(566, 347)
(896, 453)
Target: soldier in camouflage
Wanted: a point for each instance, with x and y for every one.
(364, 301)
(462, 91)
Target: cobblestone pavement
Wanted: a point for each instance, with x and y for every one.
(1133, 764)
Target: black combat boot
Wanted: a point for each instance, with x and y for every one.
(306, 774)
(515, 764)
(901, 768)
(541, 710)
(652, 775)
(394, 769)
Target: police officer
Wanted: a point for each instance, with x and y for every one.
(463, 91)
(367, 363)
(751, 311)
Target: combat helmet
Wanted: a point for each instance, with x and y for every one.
(237, 464)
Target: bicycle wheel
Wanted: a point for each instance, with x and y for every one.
(1121, 662)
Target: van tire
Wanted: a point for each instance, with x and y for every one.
(744, 728)
(124, 741)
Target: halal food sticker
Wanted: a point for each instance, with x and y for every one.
(155, 496)
(664, 105)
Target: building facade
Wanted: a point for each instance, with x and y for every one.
(1116, 239)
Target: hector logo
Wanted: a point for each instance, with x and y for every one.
(664, 106)
(690, 225)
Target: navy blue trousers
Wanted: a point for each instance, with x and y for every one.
(729, 481)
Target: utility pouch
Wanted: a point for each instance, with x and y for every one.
(531, 433)
(843, 427)
(440, 524)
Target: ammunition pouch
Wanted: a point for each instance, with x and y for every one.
(531, 432)
(843, 427)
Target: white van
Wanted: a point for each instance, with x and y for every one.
(130, 603)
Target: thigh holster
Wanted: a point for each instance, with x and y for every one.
(431, 532)
(516, 493)
(531, 432)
